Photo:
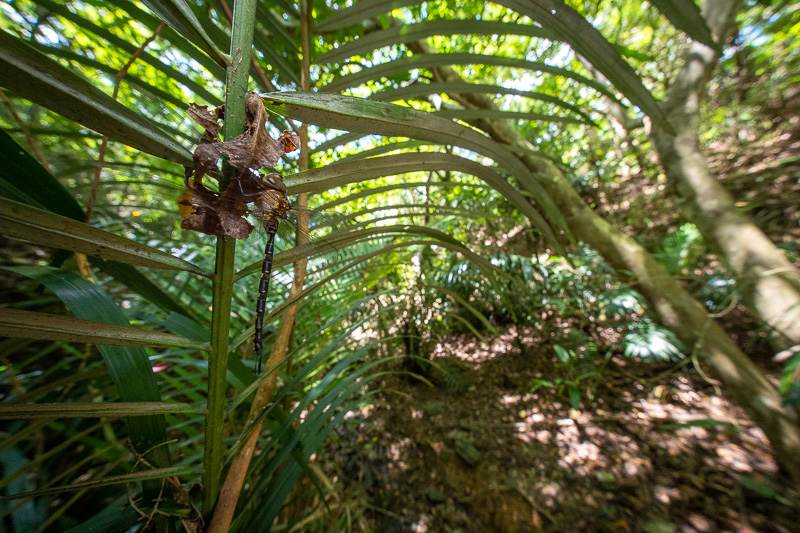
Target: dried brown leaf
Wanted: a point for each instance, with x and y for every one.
(209, 120)
(224, 214)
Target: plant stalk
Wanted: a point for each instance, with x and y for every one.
(244, 12)
(223, 514)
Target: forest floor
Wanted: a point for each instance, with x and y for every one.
(654, 448)
(492, 444)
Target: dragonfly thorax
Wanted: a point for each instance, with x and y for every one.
(272, 206)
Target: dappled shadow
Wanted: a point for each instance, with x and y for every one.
(497, 456)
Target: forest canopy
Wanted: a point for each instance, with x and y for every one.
(409, 266)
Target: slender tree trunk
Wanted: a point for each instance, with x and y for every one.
(677, 309)
(768, 281)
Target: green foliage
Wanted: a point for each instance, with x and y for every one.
(653, 343)
(575, 370)
(680, 249)
(790, 381)
(434, 222)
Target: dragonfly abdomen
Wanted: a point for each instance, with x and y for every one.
(263, 289)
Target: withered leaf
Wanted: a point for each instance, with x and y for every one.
(213, 213)
(224, 214)
(209, 120)
(252, 149)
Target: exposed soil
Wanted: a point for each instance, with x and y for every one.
(482, 452)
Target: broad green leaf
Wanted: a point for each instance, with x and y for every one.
(180, 17)
(462, 87)
(574, 396)
(686, 16)
(406, 64)
(95, 410)
(119, 516)
(29, 325)
(186, 327)
(346, 172)
(29, 515)
(573, 28)
(128, 366)
(357, 114)
(563, 355)
(41, 227)
(30, 178)
(414, 32)
(762, 489)
(32, 75)
(142, 285)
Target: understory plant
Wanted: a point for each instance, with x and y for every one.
(439, 143)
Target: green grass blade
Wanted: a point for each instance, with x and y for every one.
(41, 189)
(360, 11)
(128, 49)
(573, 28)
(497, 114)
(461, 87)
(180, 17)
(156, 473)
(365, 116)
(95, 410)
(409, 33)
(406, 64)
(347, 172)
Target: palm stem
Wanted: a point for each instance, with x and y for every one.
(235, 94)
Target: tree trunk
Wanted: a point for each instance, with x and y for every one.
(676, 308)
(768, 281)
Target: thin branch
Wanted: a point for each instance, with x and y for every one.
(118, 77)
(34, 145)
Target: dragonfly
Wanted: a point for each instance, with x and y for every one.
(272, 205)
(263, 200)
(224, 213)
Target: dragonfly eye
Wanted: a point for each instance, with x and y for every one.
(274, 181)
